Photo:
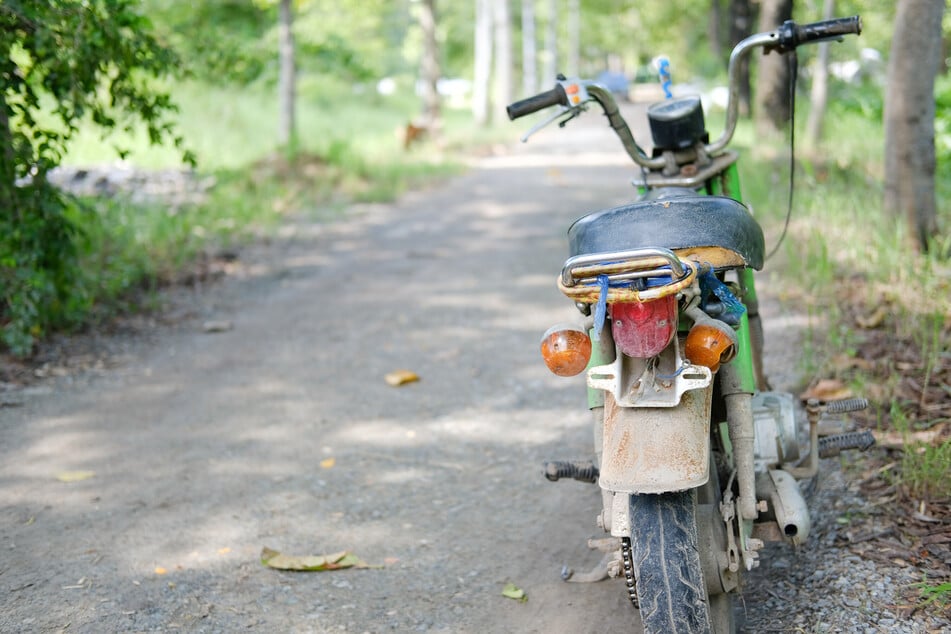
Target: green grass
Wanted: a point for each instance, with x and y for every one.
(350, 149)
(938, 595)
(847, 263)
(232, 127)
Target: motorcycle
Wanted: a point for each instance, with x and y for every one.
(698, 462)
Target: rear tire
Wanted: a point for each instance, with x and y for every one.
(670, 585)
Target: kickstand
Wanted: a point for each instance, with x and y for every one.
(598, 573)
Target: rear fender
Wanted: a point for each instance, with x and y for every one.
(657, 449)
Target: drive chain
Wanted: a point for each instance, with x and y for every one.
(629, 571)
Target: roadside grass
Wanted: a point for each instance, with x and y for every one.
(351, 150)
(880, 318)
(879, 314)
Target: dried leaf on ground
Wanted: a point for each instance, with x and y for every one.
(401, 377)
(899, 440)
(75, 476)
(328, 463)
(512, 591)
(311, 563)
(217, 326)
(827, 390)
(876, 319)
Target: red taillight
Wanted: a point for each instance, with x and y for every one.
(566, 349)
(643, 329)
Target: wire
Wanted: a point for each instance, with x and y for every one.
(793, 71)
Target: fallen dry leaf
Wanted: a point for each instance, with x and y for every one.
(217, 326)
(512, 591)
(874, 320)
(311, 563)
(160, 571)
(328, 463)
(827, 390)
(401, 377)
(898, 440)
(75, 476)
(848, 362)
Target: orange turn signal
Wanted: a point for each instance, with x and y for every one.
(709, 344)
(566, 349)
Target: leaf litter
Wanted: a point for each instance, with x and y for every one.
(312, 563)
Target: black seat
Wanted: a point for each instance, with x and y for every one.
(675, 219)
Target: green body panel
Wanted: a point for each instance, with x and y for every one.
(744, 356)
(595, 397)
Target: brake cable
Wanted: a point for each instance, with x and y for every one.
(793, 71)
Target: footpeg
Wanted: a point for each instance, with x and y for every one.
(845, 405)
(576, 470)
(830, 446)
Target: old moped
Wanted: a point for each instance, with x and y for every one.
(697, 461)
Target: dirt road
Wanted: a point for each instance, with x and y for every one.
(281, 432)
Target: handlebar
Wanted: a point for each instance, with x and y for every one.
(555, 96)
(783, 40)
(792, 35)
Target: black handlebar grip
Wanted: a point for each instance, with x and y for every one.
(792, 35)
(538, 102)
(828, 29)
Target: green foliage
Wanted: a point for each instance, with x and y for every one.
(235, 41)
(846, 262)
(938, 594)
(217, 41)
(62, 63)
(942, 123)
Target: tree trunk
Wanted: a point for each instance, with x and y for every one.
(909, 117)
(715, 29)
(820, 84)
(529, 56)
(551, 43)
(771, 109)
(574, 38)
(482, 72)
(429, 66)
(504, 87)
(741, 25)
(287, 88)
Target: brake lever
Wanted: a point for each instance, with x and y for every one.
(570, 112)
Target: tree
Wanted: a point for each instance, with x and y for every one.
(482, 73)
(429, 66)
(715, 28)
(529, 49)
(551, 43)
(287, 83)
(820, 83)
(771, 109)
(574, 38)
(741, 26)
(62, 63)
(504, 86)
(916, 54)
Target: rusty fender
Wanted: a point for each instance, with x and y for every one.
(657, 449)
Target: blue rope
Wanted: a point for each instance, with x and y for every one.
(663, 67)
(710, 284)
(601, 308)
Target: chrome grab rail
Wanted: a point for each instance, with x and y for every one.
(622, 265)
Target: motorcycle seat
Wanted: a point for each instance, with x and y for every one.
(710, 229)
